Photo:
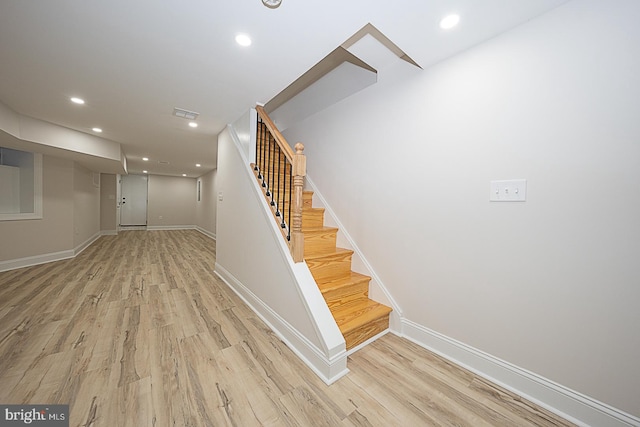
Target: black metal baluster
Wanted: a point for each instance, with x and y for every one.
(283, 224)
(290, 191)
(278, 187)
(265, 137)
(262, 136)
(262, 153)
(266, 158)
(273, 167)
(268, 165)
(257, 167)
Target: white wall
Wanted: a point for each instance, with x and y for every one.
(549, 285)
(54, 232)
(171, 201)
(86, 206)
(206, 207)
(242, 234)
(70, 218)
(108, 203)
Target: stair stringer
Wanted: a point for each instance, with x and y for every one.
(285, 296)
(377, 290)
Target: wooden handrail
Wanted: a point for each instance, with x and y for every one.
(282, 143)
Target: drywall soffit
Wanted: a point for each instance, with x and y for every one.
(333, 60)
(371, 30)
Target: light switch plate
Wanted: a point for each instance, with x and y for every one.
(511, 190)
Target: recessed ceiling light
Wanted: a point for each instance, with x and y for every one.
(271, 4)
(146, 159)
(198, 165)
(79, 101)
(193, 124)
(145, 172)
(97, 130)
(243, 40)
(184, 174)
(449, 21)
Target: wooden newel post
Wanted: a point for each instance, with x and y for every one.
(299, 172)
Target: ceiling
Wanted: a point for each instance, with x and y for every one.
(134, 61)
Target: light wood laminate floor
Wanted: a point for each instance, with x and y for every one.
(138, 331)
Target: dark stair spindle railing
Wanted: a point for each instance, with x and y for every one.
(281, 174)
(267, 168)
(284, 212)
(266, 165)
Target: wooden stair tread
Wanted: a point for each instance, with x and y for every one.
(309, 212)
(311, 209)
(353, 278)
(337, 252)
(329, 263)
(343, 290)
(319, 240)
(320, 230)
(354, 314)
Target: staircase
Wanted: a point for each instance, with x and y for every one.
(281, 172)
(346, 292)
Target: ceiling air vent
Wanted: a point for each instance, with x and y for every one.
(163, 162)
(185, 114)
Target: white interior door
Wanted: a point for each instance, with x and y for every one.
(133, 202)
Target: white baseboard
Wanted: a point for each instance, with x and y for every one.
(206, 232)
(166, 227)
(569, 404)
(329, 370)
(182, 227)
(170, 227)
(84, 245)
(30, 261)
(132, 228)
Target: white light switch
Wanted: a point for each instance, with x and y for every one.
(220, 196)
(512, 190)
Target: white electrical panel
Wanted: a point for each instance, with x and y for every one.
(512, 190)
